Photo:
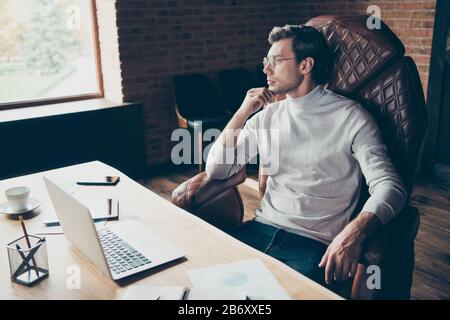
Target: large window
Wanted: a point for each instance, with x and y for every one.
(48, 52)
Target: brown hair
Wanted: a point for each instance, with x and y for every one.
(307, 42)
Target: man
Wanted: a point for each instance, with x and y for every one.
(326, 143)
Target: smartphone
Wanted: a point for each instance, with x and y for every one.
(100, 181)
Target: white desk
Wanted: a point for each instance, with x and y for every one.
(203, 244)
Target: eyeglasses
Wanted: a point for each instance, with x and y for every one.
(272, 61)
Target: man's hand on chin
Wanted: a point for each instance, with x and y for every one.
(342, 256)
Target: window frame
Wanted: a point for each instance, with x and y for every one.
(62, 99)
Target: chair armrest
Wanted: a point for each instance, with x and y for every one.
(401, 230)
(216, 201)
(391, 249)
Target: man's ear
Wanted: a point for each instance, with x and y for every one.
(306, 65)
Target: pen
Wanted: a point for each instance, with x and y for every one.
(24, 263)
(26, 260)
(28, 244)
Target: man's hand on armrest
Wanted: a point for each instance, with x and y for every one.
(342, 256)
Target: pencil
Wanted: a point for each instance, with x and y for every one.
(28, 244)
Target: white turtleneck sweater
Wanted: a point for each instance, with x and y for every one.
(325, 143)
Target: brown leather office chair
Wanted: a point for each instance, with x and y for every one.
(370, 67)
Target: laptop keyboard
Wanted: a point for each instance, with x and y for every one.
(120, 255)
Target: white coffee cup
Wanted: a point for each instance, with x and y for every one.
(18, 197)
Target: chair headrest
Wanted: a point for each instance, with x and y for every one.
(360, 53)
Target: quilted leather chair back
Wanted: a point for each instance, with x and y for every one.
(370, 67)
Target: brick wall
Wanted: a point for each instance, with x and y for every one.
(411, 20)
(159, 39)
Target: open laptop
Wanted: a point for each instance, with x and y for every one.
(120, 250)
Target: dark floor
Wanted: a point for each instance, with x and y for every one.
(432, 245)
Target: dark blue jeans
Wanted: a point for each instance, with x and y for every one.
(300, 253)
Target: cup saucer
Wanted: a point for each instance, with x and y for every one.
(5, 208)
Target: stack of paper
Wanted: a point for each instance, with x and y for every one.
(248, 279)
(180, 293)
(248, 276)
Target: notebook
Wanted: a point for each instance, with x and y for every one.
(101, 209)
(136, 292)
